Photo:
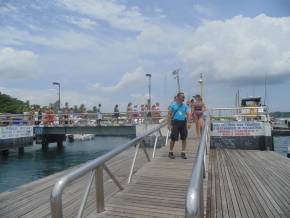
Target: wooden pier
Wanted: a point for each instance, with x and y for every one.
(245, 183)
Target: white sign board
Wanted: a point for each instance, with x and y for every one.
(9, 132)
(238, 129)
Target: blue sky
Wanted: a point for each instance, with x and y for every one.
(100, 50)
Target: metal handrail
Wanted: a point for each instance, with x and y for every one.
(63, 118)
(96, 165)
(194, 196)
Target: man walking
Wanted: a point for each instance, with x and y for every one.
(178, 121)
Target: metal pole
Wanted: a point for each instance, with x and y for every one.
(155, 143)
(99, 184)
(149, 90)
(58, 96)
(133, 163)
(178, 83)
(176, 74)
(200, 81)
(84, 201)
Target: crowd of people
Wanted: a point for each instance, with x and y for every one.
(136, 114)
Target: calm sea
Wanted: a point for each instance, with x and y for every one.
(16, 169)
(281, 144)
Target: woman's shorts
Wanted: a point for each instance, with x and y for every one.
(179, 127)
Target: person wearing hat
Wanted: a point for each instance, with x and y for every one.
(178, 121)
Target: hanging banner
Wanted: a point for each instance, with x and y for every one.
(9, 132)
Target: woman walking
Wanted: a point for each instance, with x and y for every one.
(198, 109)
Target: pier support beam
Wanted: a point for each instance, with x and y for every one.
(44, 146)
(5, 152)
(60, 144)
(21, 150)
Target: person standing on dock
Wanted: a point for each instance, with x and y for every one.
(129, 113)
(116, 113)
(99, 115)
(197, 112)
(178, 121)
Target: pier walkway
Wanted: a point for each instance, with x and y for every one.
(158, 189)
(248, 183)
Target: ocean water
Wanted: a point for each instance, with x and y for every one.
(281, 144)
(18, 169)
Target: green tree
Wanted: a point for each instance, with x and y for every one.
(12, 105)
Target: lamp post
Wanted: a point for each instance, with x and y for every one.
(149, 89)
(176, 74)
(58, 84)
(200, 81)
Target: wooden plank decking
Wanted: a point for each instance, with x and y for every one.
(33, 199)
(157, 190)
(247, 183)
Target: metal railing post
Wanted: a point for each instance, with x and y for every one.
(113, 177)
(99, 182)
(145, 151)
(84, 201)
(204, 165)
(155, 144)
(133, 163)
(167, 136)
(56, 208)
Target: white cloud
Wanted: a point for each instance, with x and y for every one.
(241, 50)
(7, 9)
(18, 63)
(45, 96)
(83, 23)
(68, 40)
(138, 98)
(117, 15)
(126, 80)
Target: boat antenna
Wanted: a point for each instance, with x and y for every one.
(265, 94)
(238, 98)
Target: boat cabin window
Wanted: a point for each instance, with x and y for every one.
(256, 102)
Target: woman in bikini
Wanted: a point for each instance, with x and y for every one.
(198, 109)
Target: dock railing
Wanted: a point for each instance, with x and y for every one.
(194, 206)
(95, 168)
(81, 119)
(240, 113)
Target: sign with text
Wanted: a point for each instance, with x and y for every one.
(238, 129)
(9, 132)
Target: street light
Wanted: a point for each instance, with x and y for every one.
(176, 74)
(149, 89)
(58, 84)
(200, 81)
